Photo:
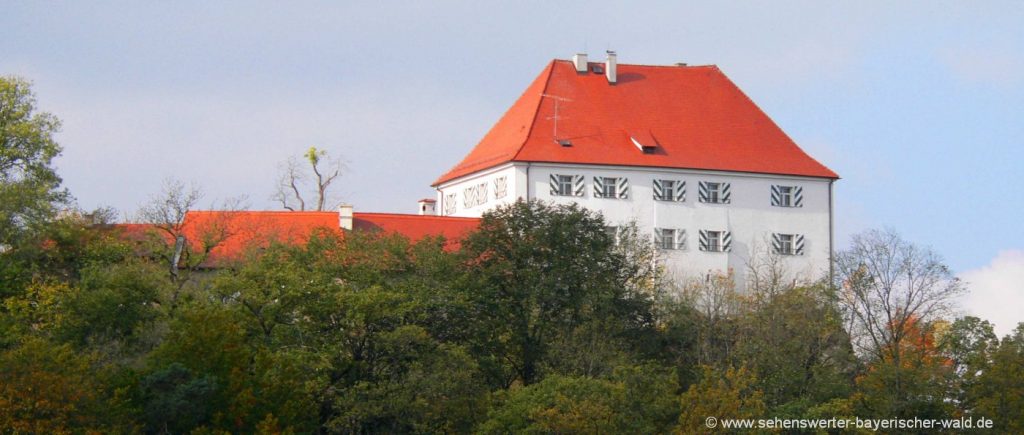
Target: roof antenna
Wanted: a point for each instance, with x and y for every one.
(558, 100)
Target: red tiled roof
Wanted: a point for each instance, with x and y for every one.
(232, 232)
(696, 116)
(415, 227)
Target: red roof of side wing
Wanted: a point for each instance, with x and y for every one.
(231, 233)
(694, 115)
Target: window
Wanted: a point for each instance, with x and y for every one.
(613, 233)
(669, 190)
(667, 238)
(785, 245)
(500, 187)
(611, 187)
(787, 196)
(564, 185)
(715, 241)
(449, 204)
(788, 244)
(714, 192)
(670, 238)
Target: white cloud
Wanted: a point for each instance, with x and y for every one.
(996, 291)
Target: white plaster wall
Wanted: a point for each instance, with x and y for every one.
(515, 182)
(749, 216)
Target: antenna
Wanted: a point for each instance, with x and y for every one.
(558, 100)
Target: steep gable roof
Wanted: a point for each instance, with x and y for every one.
(693, 116)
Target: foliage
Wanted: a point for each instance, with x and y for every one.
(29, 186)
(723, 394)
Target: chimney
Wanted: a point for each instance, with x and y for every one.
(579, 60)
(609, 67)
(345, 216)
(427, 207)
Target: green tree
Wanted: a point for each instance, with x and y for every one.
(631, 400)
(538, 271)
(729, 393)
(998, 393)
(969, 345)
(29, 186)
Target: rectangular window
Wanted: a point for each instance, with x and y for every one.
(785, 196)
(785, 245)
(565, 185)
(714, 241)
(714, 192)
(668, 191)
(667, 238)
(613, 233)
(609, 183)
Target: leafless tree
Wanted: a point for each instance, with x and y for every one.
(167, 211)
(885, 285)
(294, 181)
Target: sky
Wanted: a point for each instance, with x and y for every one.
(917, 105)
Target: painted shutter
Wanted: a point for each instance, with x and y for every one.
(680, 191)
(554, 184)
(598, 187)
(500, 187)
(577, 185)
(727, 241)
(702, 191)
(798, 196)
(623, 189)
(680, 239)
(776, 242)
(657, 237)
(657, 189)
(726, 192)
(703, 242)
(798, 244)
(776, 196)
(467, 197)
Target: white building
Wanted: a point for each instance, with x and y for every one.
(679, 149)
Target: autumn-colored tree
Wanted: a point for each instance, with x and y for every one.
(724, 394)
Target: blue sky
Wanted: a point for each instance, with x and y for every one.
(917, 105)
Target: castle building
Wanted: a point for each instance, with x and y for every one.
(679, 150)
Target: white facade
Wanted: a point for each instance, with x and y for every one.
(748, 221)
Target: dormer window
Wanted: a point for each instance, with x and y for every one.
(644, 141)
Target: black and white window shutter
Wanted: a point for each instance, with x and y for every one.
(724, 192)
(577, 185)
(680, 239)
(598, 187)
(726, 241)
(553, 181)
(703, 243)
(798, 244)
(678, 192)
(796, 199)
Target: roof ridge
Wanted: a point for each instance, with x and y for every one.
(709, 65)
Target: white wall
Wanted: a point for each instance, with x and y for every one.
(749, 216)
(515, 185)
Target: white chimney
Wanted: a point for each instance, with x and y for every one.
(345, 216)
(427, 206)
(579, 60)
(609, 67)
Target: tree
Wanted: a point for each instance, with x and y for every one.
(969, 345)
(29, 186)
(536, 271)
(999, 391)
(730, 393)
(294, 182)
(886, 283)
